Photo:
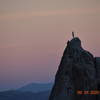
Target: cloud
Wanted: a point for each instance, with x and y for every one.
(31, 14)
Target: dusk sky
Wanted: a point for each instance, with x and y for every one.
(33, 35)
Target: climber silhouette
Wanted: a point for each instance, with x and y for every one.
(73, 34)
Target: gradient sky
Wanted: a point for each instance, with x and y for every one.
(33, 35)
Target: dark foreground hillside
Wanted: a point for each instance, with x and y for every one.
(17, 95)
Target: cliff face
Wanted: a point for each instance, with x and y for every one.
(77, 71)
(97, 64)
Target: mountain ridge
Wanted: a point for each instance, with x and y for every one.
(36, 87)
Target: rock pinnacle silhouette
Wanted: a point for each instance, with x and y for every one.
(79, 70)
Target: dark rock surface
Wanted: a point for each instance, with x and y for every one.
(97, 63)
(77, 71)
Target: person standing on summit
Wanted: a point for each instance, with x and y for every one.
(73, 34)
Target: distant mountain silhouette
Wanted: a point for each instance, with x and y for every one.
(36, 87)
(18, 95)
(33, 91)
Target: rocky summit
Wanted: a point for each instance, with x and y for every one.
(78, 75)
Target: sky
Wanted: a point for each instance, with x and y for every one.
(34, 33)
